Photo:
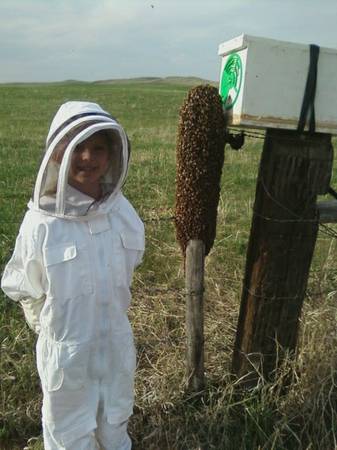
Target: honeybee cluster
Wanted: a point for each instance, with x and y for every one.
(200, 156)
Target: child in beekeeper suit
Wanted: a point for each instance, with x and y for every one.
(71, 271)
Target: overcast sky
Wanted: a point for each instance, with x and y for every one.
(53, 40)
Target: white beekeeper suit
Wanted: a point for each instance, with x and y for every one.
(71, 270)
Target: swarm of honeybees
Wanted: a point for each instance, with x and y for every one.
(200, 155)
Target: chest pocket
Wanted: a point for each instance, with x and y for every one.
(130, 249)
(68, 270)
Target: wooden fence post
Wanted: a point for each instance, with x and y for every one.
(294, 169)
(200, 154)
(195, 257)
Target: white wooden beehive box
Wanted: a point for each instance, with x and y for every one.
(262, 83)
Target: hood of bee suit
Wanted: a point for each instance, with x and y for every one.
(73, 123)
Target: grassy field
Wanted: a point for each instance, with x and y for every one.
(166, 416)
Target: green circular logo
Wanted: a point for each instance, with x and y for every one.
(231, 79)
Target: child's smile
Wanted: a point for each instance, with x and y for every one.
(89, 163)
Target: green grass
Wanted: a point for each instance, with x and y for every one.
(166, 416)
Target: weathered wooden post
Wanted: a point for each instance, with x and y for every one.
(200, 155)
(194, 283)
(293, 171)
(295, 168)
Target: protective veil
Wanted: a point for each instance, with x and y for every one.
(71, 271)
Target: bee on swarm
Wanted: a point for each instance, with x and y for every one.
(200, 156)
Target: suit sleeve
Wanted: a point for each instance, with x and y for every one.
(22, 279)
(141, 246)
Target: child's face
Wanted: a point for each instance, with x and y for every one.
(90, 161)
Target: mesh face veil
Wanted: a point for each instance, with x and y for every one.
(74, 123)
